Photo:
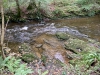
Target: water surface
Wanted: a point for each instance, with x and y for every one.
(89, 26)
(82, 27)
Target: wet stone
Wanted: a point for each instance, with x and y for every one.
(38, 45)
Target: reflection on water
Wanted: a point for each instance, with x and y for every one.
(89, 26)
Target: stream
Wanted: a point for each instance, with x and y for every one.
(89, 26)
(81, 27)
(38, 38)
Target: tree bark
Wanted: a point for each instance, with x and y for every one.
(2, 29)
(18, 9)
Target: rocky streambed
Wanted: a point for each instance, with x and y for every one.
(54, 49)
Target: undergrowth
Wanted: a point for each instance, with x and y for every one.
(14, 66)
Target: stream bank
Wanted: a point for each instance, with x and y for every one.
(60, 52)
(50, 46)
(23, 10)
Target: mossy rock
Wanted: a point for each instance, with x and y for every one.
(25, 47)
(91, 48)
(44, 59)
(75, 45)
(62, 36)
(28, 57)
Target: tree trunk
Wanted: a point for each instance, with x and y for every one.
(18, 9)
(2, 29)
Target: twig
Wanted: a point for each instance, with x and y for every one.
(7, 23)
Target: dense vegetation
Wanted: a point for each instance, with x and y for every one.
(30, 9)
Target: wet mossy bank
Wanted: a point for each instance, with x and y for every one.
(37, 9)
(82, 56)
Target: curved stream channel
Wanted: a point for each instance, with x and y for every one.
(81, 27)
(28, 32)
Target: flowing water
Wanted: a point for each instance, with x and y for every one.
(82, 27)
(89, 26)
(18, 33)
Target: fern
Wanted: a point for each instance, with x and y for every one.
(15, 66)
(23, 70)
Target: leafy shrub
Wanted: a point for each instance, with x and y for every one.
(58, 13)
(89, 7)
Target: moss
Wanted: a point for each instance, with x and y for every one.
(75, 45)
(28, 57)
(62, 36)
(86, 59)
(44, 59)
(25, 47)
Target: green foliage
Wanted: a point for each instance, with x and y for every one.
(11, 64)
(9, 4)
(44, 59)
(43, 1)
(89, 7)
(62, 36)
(50, 8)
(64, 73)
(90, 57)
(23, 70)
(89, 62)
(25, 47)
(73, 8)
(1, 61)
(28, 57)
(15, 66)
(58, 13)
(75, 45)
(45, 73)
(85, 2)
